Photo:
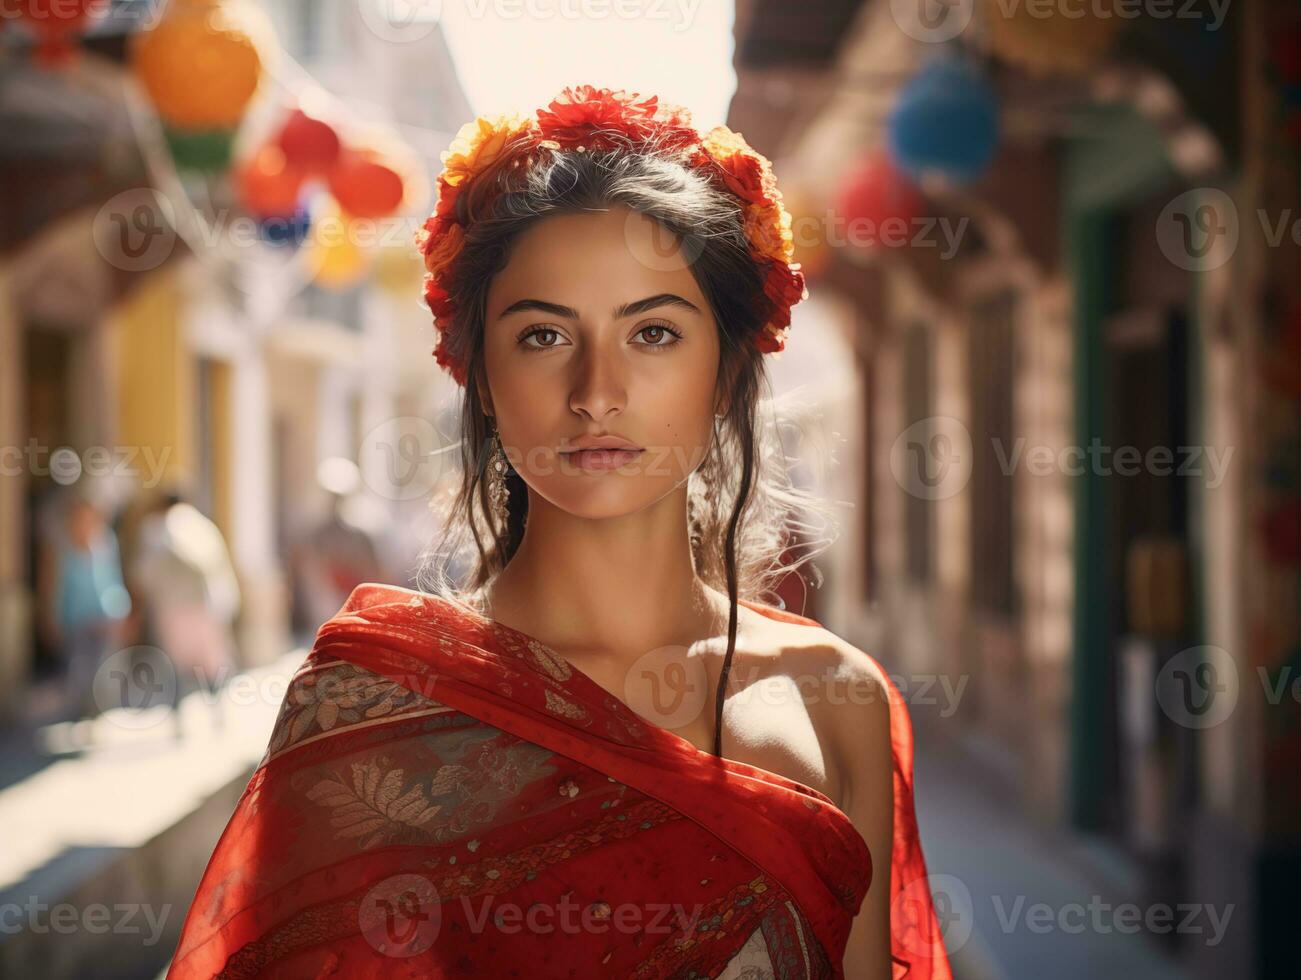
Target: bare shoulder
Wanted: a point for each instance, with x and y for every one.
(847, 696)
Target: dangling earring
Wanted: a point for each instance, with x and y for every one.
(498, 494)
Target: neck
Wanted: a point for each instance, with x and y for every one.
(607, 584)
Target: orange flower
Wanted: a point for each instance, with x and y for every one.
(478, 144)
(440, 241)
(744, 172)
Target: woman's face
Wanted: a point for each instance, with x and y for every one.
(596, 327)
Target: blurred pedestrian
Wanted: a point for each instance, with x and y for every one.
(183, 571)
(343, 550)
(84, 603)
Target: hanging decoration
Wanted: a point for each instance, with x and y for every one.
(267, 185)
(201, 65)
(308, 144)
(877, 199)
(1058, 39)
(945, 123)
(56, 26)
(365, 185)
(336, 259)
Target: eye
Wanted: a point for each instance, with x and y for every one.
(659, 334)
(537, 331)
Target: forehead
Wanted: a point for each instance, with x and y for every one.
(594, 261)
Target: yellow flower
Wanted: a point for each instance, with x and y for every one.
(768, 230)
(478, 144)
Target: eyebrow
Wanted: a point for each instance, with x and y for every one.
(627, 309)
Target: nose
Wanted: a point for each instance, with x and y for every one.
(598, 385)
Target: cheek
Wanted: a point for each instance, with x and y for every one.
(682, 424)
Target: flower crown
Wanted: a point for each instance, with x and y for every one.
(584, 119)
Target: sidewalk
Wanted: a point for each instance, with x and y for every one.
(1002, 867)
(92, 835)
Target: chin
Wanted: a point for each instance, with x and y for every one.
(598, 497)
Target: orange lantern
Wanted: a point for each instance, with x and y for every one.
(364, 186)
(308, 143)
(57, 25)
(267, 185)
(201, 63)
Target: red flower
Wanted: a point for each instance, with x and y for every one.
(594, 118)
(436, 298)
(448, 362)
(784, 286)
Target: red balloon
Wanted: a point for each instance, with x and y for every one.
(309, 143)
(268, 186)
(875, 193)
(366, 188)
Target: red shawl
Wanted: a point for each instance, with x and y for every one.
(444, 796)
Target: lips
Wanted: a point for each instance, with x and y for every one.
(601, 459)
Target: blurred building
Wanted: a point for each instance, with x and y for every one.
(1078, 439)
(173, 369)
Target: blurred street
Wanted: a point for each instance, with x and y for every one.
(1046, 380)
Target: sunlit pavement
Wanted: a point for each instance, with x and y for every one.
(123, 810)
(970, 832)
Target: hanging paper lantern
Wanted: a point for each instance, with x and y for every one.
(289, 229)
(205, 151)
(201, 63)
(1051, 39)
(876, 201)
(267, 186)
(336, 258)
(364, 186)
(57, 24)
(945, 123)
(309, 144)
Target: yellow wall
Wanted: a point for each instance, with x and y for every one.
(155, 381)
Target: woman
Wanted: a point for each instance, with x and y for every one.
(526, 777)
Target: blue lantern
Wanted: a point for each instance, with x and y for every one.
(288, 230)
(945, 123)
